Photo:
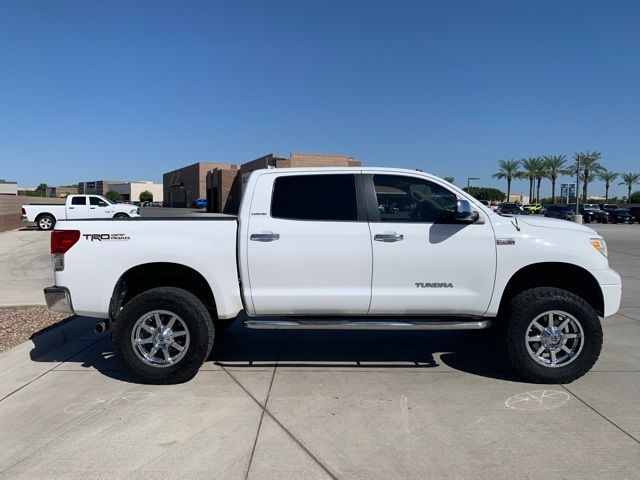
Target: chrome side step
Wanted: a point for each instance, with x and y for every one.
(366, 325)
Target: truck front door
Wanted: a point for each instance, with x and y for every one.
(98, 208)
(77, 208)
(310, 252)
(423, 261)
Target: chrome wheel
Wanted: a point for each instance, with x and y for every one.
(554, 338)
(45, 223)
(160, 338)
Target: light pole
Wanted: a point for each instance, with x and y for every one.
(469, 183)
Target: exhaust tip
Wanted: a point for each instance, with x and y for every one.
(100, 327)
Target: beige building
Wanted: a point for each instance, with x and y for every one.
(8, 188)
(131, 191)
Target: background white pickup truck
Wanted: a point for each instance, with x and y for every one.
(76, 207)
(355, 248)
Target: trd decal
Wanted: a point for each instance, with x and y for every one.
(433, 285)
(105, 237)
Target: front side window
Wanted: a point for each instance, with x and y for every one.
(315, 197)
(410, 199)
(79, 201)
(97, 202)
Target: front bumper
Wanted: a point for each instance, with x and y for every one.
(58, 299)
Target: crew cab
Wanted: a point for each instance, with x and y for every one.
(339, 248)
(76, 207)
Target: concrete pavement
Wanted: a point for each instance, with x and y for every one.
(363, 405)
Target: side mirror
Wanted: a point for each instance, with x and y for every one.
(464, 212)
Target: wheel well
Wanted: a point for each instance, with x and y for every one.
(152, 275)
(566, 276)
(40, 215)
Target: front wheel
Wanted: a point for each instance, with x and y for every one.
(163, 335)
(121, 216)
(552, 335)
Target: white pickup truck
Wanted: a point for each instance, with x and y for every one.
(341, 248)
(76, 207)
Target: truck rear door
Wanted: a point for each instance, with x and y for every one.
(77, 207)
(310, 252)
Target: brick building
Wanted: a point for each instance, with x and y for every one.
(96, 187)
(183, 186)
(224, 184)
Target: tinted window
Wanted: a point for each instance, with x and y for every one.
(94, 201)
(79, 201)
(409, 199)
(315, 197)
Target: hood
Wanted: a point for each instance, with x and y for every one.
(555, 223)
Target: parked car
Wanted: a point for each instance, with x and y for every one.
(635, 213)
(76, 207)
(621, 215)
(609, 207)
(200, 203)
(592, 213)
(310, 249)
(533, 207)
(511, 209)
(564, 212)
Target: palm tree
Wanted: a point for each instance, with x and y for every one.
(531, 170)
(607, 177)
(509, 170)
(449, 179)
(588, 164)
(556, 166)
(541, 172)
(629, 179)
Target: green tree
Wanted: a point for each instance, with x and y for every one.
(508, 169)
(555, 167)
(449, 179)
(146, 196)
(41, 190)
(531, 169)
(589, 163)
(629, 179)
(607, 177)
(114, 196)
(485, 193)
(634, 197)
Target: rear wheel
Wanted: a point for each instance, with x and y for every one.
(552, 335)
(46, 222)
(163, 335)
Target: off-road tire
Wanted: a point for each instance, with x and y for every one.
(197, 319)
(533, 302)
(46, 216)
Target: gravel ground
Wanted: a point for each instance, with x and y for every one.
(21, 323)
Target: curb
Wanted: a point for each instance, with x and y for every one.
(75, 328)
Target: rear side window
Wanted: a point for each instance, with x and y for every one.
(315, 197)
(79, 201)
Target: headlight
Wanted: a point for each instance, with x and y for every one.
(133, 211)
(600, 245)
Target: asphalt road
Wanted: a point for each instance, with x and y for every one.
(305, 405)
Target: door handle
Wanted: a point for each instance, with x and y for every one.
(71, 208)
(264, 237)
(388, 237)
(92, 208)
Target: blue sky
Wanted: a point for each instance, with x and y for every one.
(129, 90)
